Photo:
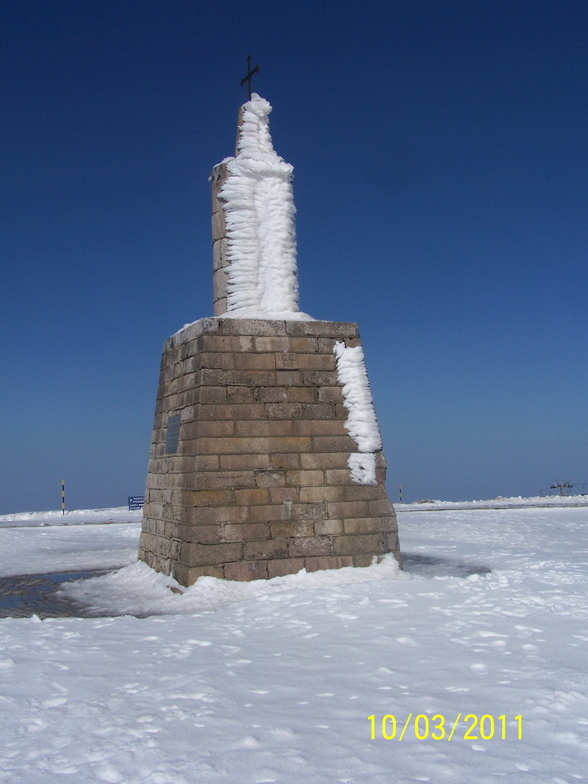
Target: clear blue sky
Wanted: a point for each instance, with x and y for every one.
(441, 180)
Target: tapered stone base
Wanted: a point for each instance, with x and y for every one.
(255, 483)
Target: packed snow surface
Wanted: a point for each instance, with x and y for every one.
(274, 681)
(259, 210)
(361, 424)
(115, 514)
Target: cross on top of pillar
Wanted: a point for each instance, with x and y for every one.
(249, 74)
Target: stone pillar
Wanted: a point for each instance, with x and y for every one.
(249, 473)
(220, 261)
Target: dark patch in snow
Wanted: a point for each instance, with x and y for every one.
(429, 566)
(38, 594)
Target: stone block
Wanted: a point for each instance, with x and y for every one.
(318, 494)
(339, 476)
(355, 492)
(219, 254)
(359, 525)
(330, 329)
(245, 571)
(305, 478)
(253, 428)
(252, 497)
(252, 361)
(244, 462)
(301, 395)
(237, 394)
(318, 427)
(270, 395)
(214, 360)
(344, 509)
(343, 444)
(281, 495)
(325, 460)
(280, 445)
(313, 411)
(253, 378)
(233, 446)
(217, 515)
(233, 411)
(220, 480)
(198, 463)
(220, 279)
(247, 532)
(284, 566)
(327, 562)
(318, 378)
(289, 378)
(224, 427)
(315, 361)
(381, 506)
(304, 546)
(285, 460)
(314, 511)
(200, 534)
(381, 460)
(328, 527)
(210, 497)
(233, 343)
(286, 361)
(271, 479)
(359, 544)
(265, 513)
(213, 395)
(218, 225)
(273, 343)
(283, 410)
(268, 548)
(187, 575)
(210, 554)
(364, 560)
(292, 528)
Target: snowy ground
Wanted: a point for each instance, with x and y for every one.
(274, 681)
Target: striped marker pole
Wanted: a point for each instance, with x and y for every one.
(63, 496)
(400, 493)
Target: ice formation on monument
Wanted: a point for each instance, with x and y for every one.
(259, 209)
(362, 423)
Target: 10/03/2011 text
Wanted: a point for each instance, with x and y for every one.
(436, 727)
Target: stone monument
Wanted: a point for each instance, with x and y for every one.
(266, 456)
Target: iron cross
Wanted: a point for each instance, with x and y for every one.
(249, 74)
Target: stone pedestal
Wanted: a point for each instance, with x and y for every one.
(248, 475)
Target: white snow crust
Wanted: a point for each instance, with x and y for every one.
(115, 514)
(361, 424)
(362, 466)
(259, 208)
(274, 681)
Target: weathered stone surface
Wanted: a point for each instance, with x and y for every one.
(246, 571)
(259, 484)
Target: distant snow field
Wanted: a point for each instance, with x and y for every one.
(471, 662)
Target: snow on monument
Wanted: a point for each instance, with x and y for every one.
(259, 215)
(266, 455)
